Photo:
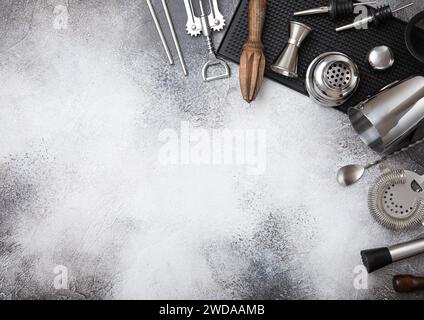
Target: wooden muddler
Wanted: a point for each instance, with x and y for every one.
(407, 283)
(252, 60)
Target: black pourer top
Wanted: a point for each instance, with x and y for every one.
(340, 8)
(381, 14)
(375, 259)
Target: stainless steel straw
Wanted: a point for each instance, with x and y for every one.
(158, 27)
(174, 37)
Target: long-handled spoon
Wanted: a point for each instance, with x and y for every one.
(352, 173)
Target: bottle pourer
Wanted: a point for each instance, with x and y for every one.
(376, 16)
(336, 8)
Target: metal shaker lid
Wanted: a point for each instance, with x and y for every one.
(381, 58)
(331, 79)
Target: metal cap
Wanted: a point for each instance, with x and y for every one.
(381, 58)
(331, 79)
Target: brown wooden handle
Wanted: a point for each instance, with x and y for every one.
(407, 283)
(252, 59)
(257, 12)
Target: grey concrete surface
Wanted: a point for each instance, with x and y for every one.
(84, 197)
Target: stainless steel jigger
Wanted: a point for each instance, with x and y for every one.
(331, 79)
(286, 64)
(213, 60)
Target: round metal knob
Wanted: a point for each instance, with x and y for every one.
(381, 58)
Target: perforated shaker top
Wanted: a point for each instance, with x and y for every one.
(338, 75)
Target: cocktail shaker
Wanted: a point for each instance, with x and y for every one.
(386, 119)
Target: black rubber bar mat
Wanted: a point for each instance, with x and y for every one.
(324, 38)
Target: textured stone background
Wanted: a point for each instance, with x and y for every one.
(81, 186)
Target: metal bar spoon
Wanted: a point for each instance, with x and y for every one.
(352, 173)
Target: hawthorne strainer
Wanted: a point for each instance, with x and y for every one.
(396, 200)
(331, 79)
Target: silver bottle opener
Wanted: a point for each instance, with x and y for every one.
(194, 25)
(212, 59)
